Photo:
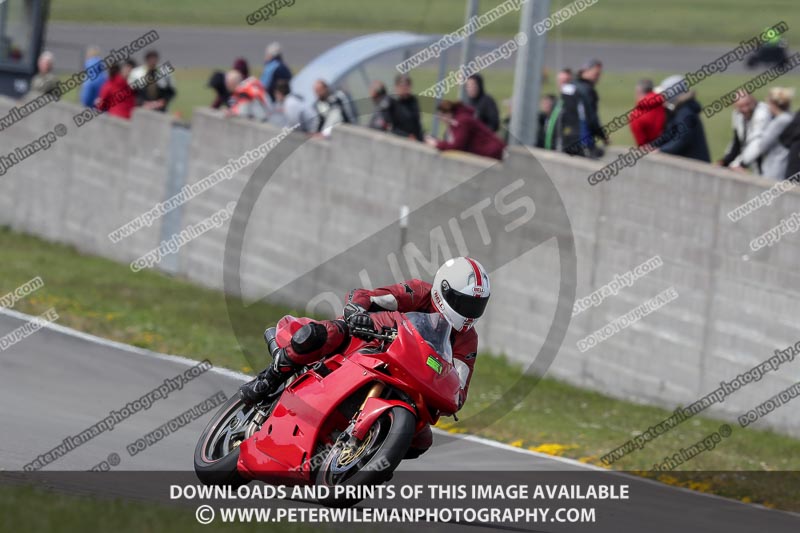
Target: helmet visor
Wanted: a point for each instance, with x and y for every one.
(463, 304)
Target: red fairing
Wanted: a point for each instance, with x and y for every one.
(308, 412)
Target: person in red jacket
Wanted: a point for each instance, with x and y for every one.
(649, 116)
(460, 292)
(466, 132)
(116, 96)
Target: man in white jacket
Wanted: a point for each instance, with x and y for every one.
(749, 119)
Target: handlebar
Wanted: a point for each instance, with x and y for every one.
(386, 334)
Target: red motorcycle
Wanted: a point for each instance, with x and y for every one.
(346, 420)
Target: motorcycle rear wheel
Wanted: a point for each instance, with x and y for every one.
(374, 459)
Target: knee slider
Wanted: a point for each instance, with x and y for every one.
(309, 338)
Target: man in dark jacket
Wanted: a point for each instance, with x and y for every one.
(467, 133)
(790, 138)
(380, 119)
(484, 105)
(217, 83)
(591, 128)
(553, 127)
(570, 114)
(154, 89)
(684, 134)
(274, 69)
(404, 114)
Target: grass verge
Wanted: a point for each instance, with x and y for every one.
(678, 21)
(167, 314)
(33, 509)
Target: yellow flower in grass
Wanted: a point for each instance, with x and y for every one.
(747, 499)
(669, 480)
(450, 427)
(699, 486)
(552, 448)
(591, 460)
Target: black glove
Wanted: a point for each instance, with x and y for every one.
(352, 309)
(360, 321)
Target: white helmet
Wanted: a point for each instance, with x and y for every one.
(460, 292)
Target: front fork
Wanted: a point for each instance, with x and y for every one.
(374, 392)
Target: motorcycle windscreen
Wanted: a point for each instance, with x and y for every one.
(435, 330)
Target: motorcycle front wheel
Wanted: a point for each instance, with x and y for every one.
(369, 461)
(217, 452)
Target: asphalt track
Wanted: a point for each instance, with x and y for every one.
(58, 382)
(219, 46)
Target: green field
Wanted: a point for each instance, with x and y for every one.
(168, 314)
(677, 21)
(31, 509)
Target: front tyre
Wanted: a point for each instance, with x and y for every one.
(217, 452)
(369, 461)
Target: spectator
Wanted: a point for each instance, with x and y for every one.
(241, 65)
(591, 128)
(571, 124)
(767, 156)
(554, 125)
(274, 68)
(484, 105)
(790, 139)
(466, 132)
(248, 98)
(683, 133)
(154, 89)
(405, 115)
(749, 120)
(505, 124)
(44, 81)
(546, 105)
(649, 116)
(332, 107)
(381, 116)
(289, 109)
(93, 66)
(217, 83)
(116, 96)
(563, 77)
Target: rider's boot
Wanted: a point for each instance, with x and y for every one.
(268, 381)
(308, 345)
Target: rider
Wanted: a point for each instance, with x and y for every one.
(460, 292)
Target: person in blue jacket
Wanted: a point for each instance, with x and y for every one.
(274, 69)
(94, 67)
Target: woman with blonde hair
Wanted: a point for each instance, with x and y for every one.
(768, 157)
